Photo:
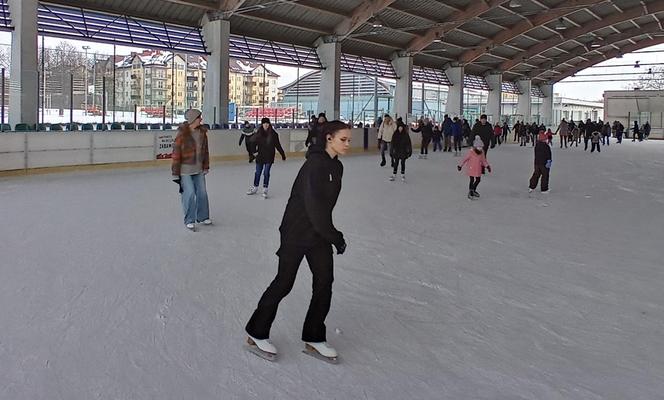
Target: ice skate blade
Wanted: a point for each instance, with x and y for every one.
(253, 349)
(313, 353)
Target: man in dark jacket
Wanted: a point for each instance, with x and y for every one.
(542, 164)
(485, 132)
(447, 133)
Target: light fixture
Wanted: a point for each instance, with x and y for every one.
(595, 45)
(376, 22)
(560, 25)
(514, 4)
(637, 65)
(438, 38)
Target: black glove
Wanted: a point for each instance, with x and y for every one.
(179, 182)
(341, 247)
(458, 167)
(488, 168)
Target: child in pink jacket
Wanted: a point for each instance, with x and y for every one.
(475, 162)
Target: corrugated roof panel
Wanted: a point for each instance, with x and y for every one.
(76, 23)
(430, 75)
(268, 51)
(510, 87)
(5, 19)
(367, 66)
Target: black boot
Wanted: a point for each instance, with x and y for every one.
(383, 162)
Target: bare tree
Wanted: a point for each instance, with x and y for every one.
(653, 79)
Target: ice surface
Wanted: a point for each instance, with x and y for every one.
(105, 295)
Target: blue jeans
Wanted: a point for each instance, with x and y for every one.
(265, 170)
(194, 198)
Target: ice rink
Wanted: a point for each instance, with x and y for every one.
(105, 295)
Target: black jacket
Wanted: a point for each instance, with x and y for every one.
(425, 129)
(484, 131)
(266, 143)
(402, 147)
(307, 220)
(314, 134)
(542, 153)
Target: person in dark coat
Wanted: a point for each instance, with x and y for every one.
(594, 139)
(542, 164)
(589, 128)
(267, 144)
(437, 138)
(307, 231)
(637, 132)
(247, 132)
(457, 133)
(426, 129)
(447, 133)
(606, 134)
(466, 130)
(313, 136)
(646, 130)
(401, 150)
(484, 130)
(506, 132)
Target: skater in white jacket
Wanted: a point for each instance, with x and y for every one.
(385, 132)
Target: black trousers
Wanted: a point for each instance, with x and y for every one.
(396, 164)
(595, 146)
(585, 143)
(457, 143)
(320, 262)
(425, 145)
(474, 182)
(540, 171)
(563, 139)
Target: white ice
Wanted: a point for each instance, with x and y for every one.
(105, 295)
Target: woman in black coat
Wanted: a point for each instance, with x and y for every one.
(307, 231)
(401, 149)
(266, 143)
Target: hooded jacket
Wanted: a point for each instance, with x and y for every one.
(402, 147)
(266, 143)
(386, 131)
(485, 132)
(307, 220)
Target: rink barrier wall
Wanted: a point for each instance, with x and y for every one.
(30, 151)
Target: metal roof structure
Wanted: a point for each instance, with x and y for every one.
(358, 85)
(5, 19)
(544, 40)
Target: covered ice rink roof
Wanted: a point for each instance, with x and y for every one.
(545, 40)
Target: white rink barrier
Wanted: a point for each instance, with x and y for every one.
(26, 150)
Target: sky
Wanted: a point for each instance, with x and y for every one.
(568, 87)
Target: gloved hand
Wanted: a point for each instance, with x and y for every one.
(178, 180)
(488, 168)
(548, 163)
(206, 171)
(458, 167)
(341, 247)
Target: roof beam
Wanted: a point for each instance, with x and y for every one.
(282, 23)
(452, 22)
(522, 27)
(203, 4)
(572, 34)
(598, 59)
(584, 52)
(360, 15)
(94, 6)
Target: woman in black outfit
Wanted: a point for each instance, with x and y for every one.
(307, 231)
(266, 142)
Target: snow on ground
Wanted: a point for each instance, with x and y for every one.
(105, 295)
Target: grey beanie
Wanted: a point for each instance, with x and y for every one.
(191, 115)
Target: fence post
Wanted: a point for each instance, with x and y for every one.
(135, 116)
(103, 103)
(71, 102)
(164, 117)
(2, 127)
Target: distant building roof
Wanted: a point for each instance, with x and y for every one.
(358, 85)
